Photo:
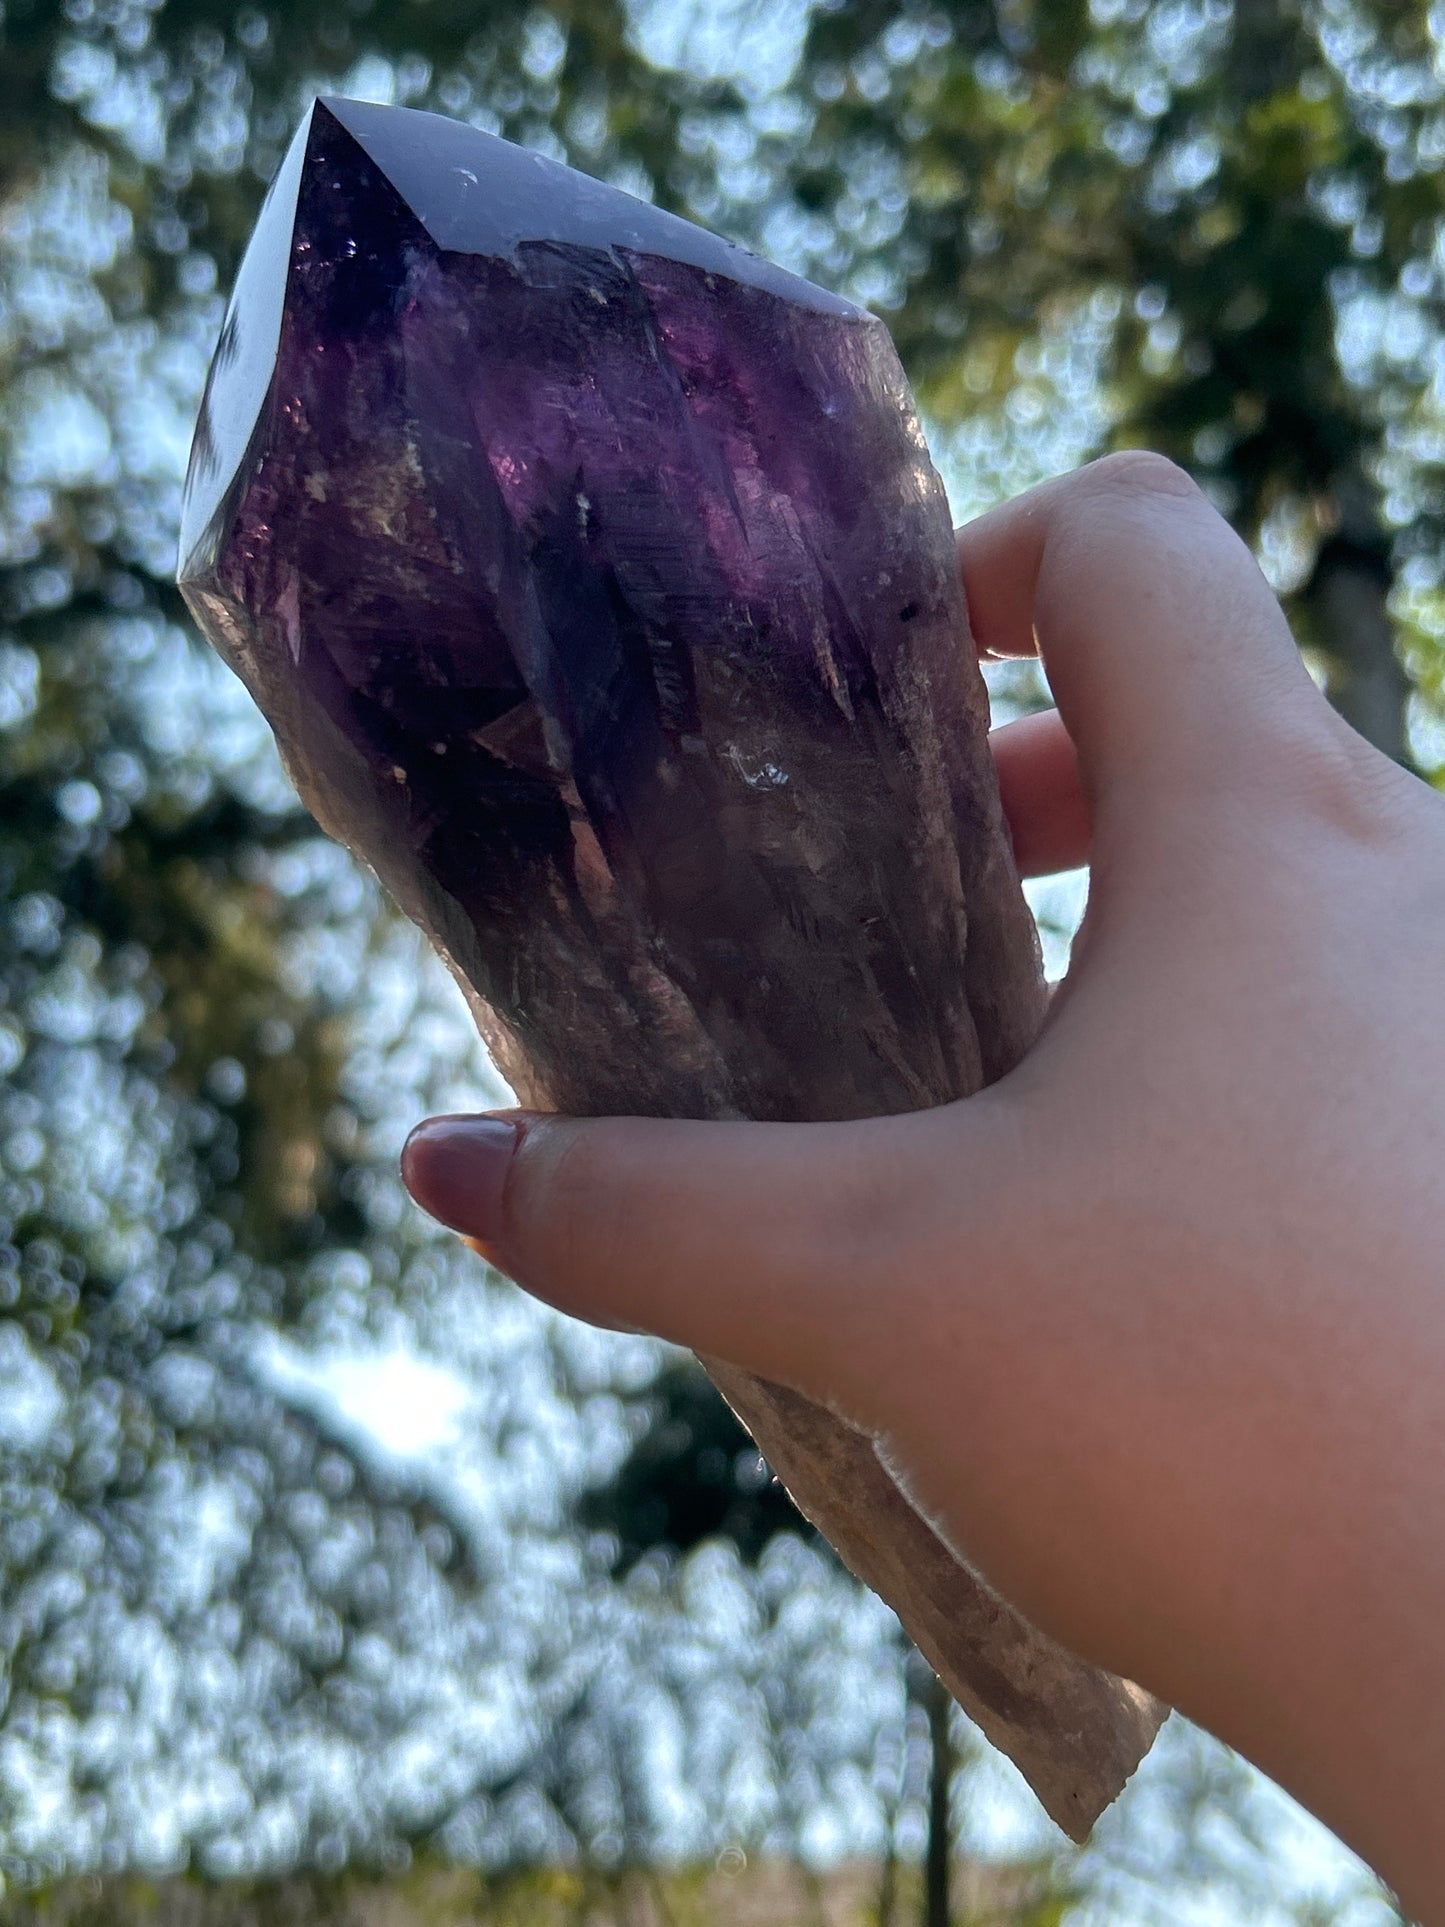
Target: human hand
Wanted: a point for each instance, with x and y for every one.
(1153, 1329)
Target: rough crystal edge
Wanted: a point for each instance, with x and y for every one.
(1075, 1732)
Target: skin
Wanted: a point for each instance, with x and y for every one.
(1155, 1326)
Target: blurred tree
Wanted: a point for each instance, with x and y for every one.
(692, 1475)
(206, 1595)
(1246, 198)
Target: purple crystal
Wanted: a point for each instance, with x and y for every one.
(596, 578)
(597, 583)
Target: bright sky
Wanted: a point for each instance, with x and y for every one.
(409, 1406)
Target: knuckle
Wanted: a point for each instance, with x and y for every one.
(566, 1211)
(1348, 785)
(1140, 472)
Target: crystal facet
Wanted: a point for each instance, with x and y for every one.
(597, 582)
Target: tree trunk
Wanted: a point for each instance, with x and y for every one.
(1347, 602)
(938, 1863)
(1262, 58)
(1348, 589)
(888, 1883)
(892, 1802)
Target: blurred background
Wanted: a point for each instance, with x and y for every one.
(337, 1580)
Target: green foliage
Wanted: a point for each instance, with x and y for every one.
(1234, 187)
(191, 1566)
(692, 1475)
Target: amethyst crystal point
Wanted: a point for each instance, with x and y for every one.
(595, 578)
(601, 567)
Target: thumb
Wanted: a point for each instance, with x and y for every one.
(781, 1248)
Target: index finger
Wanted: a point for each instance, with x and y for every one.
(1163, 642)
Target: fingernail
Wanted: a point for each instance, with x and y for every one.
(456, 1169)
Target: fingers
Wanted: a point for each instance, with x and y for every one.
(1165, 647)
(1043, 797)
(779, 1248)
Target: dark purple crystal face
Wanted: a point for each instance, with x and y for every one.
(596, 580)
